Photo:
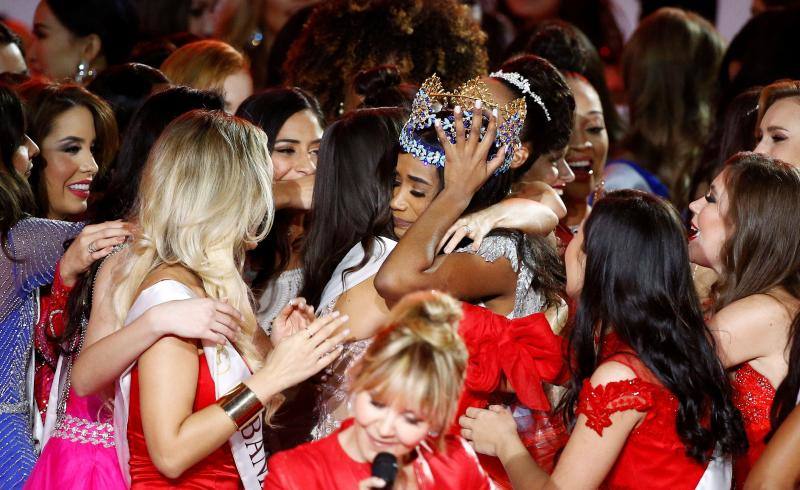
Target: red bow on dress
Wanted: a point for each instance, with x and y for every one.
(525, 350)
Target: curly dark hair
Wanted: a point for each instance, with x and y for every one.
(420, 37)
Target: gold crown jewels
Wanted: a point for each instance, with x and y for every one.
(432, 98)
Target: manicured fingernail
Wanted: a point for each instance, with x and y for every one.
(437, 123)
(457, 109)
(345, 332)
(494, 112)
(345, 317)
(335, 314)
(291, 302)
(478, 104)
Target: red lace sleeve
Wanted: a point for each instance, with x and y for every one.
(599, 402)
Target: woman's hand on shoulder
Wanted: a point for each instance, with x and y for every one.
(520, 214)
(93, 243)
(197, 318)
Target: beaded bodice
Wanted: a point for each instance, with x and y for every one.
(332, 392)
(277, 294)
(753, 395)
(36, 245)
(527, 300)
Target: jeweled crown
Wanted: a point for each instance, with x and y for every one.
(432, 98)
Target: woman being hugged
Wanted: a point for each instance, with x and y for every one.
(216, 173)
(403, 396)
(649, 399)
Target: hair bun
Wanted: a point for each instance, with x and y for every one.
(430, 316)
(376, 79)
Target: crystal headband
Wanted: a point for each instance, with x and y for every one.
(431, 99)
(524, 86)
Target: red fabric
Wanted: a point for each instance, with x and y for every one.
(216, 471)
(50, 324)
(653, 457)
(527, 353)
(524, 350)
(753, 395)
(324, 465)
(563, 235)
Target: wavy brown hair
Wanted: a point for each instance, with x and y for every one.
(762, 252)
(420, 37)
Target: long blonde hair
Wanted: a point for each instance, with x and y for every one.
(419, 359)
(206, 191)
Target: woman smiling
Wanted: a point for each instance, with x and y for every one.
(77, 134)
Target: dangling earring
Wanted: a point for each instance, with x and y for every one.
(84, 72)
(81, 73)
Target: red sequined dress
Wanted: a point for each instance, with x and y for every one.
(216, 471)
(324, 465)
(653, 456)
(753, 395)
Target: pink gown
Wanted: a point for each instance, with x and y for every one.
(81, 452)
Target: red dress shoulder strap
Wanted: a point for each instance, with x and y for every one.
(599, 402)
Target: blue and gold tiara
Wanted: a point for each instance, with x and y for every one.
(432, 98)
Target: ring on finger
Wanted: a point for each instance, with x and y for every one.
(91, 248)
(467, 229)
(308, 333)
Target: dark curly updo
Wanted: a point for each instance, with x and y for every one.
(420, 37)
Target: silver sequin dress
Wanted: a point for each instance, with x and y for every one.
(527, 301)
(36, 244)
(331, 406)
(277, 294)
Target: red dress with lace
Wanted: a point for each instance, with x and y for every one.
(526, 353)
(324, 465)
(217, 471)
(753, 395)
(653, 456)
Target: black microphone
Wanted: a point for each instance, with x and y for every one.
(384, 466)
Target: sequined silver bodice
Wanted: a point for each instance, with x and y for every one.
(36, 245)
(277, 295)
(332, 394)
(527, 301)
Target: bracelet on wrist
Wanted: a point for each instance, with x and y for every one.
(241, 404)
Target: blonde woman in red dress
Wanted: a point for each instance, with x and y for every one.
(403, 396)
